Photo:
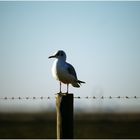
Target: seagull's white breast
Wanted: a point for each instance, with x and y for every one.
(55, 69)
(60, 72)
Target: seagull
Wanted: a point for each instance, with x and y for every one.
(63, 71)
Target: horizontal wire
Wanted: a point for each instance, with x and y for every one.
(76, 97)
(24, 98)
(109, 97)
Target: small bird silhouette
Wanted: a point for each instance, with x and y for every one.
(63, 71)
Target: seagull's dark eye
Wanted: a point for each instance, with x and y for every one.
(61, 54)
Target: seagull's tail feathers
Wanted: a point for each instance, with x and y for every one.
(77, 83)
(81, 82)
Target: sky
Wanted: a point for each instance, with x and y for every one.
(101, 40)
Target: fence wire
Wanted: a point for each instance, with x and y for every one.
(76, 97)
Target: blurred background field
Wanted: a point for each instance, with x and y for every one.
(86, 125)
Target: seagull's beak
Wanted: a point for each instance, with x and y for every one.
(53, 56)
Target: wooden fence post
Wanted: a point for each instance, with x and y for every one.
(64, 109)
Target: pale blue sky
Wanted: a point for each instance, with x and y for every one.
(101, 39)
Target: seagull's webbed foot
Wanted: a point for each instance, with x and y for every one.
(61, 94)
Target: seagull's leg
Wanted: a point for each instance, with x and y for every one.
(67, 88)
(60, 88)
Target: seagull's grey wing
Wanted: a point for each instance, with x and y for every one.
(71, 70)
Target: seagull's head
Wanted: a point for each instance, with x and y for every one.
(59, 55)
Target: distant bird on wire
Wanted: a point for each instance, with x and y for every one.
(63, 71)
